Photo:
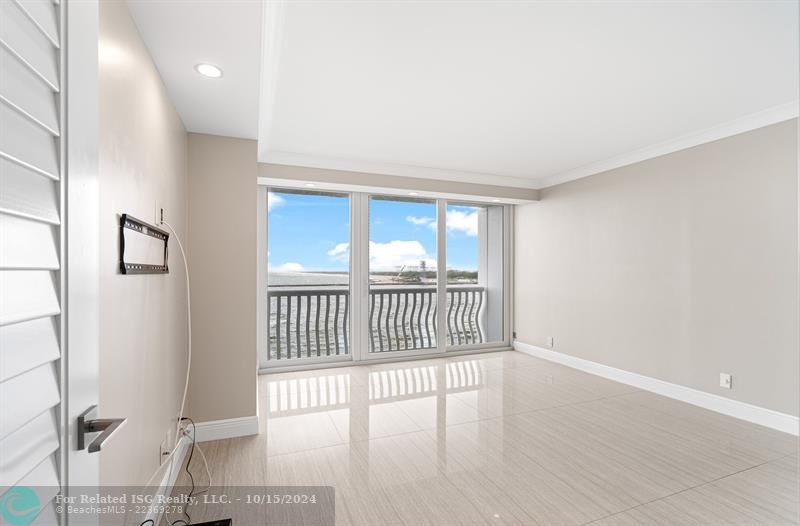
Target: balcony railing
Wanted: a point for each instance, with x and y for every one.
(309, 322)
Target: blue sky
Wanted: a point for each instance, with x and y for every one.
(311, 232)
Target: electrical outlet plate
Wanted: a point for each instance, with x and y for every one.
(159, 214)
(725, 381)
(163, 450)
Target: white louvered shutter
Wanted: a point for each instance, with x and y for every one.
(30, 253)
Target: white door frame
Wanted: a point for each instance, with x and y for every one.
(80, 362)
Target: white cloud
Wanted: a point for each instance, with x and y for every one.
(458, 220)
(341, 252)
(395, 254)
(463, 220)
(388, 256)
(273, 201)
(421, 221)
(288, 267)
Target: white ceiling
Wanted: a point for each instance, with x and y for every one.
(227, 33)
(518, 93)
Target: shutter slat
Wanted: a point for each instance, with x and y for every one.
(27, 244)
(26, 143)
(27, 295)
(43, 480)
(43, 14)
(21, 36)
(21, 88)
(27, 447)
(25, 346)
(27, 194)
(32, 394)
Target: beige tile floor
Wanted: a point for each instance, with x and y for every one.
(505, 438)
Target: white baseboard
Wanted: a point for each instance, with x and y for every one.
(720, 404)
(228, 428)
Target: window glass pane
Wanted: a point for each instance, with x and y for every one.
(474, 274)
(402, 274)
(308, 276)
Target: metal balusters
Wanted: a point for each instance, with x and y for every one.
(380, 312)
(394, 317)
(278, 328)
(428, 319)
(345, 324)
(405, 309)
(479, 314)
(457, 300)
(411, 319)
(400, 318)
(388, 319)
(336, 325)
(471, 295)
(327, 325)
(297, 326)
(450, 317)
(316, 324)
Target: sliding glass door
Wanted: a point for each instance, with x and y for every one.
(475, 274)
(356, 276)
(308, 277)
(402, 275)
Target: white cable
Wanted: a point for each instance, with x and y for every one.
(189, 337)
(205, 461)
(178, 433)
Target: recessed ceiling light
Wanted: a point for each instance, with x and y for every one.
(495, 200)
(310, 185)
(413, 193)
(209, 70)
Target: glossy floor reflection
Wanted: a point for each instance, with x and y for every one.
(505, 438)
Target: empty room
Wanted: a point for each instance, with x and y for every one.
(399, 263)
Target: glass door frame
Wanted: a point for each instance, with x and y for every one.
(359, 283)
(507, 268)
(363, 265)
(263, 298)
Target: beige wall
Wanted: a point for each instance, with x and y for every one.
(679, 267)
(222, 248)
(142, 158)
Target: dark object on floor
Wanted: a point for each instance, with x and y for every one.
(220, 522)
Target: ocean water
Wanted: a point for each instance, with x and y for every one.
(285, 279)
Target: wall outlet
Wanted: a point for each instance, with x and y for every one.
(163, 450)
(725, 380)
(159, 214)
(550, 342)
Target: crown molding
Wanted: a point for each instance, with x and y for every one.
(747, 123)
